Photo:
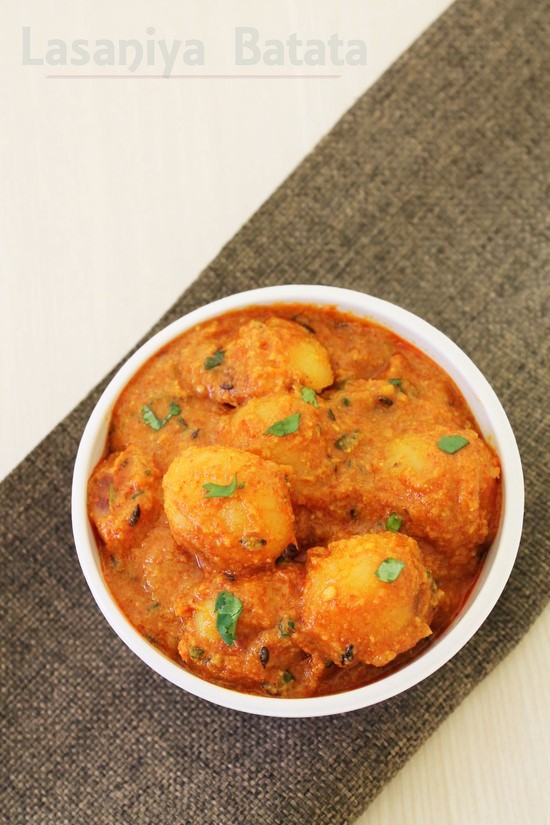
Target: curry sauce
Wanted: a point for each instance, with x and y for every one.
(292, 500)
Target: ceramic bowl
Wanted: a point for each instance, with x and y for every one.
(496, 568)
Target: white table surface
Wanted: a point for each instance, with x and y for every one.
(116, 193)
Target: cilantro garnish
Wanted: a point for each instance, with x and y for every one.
(394, 523)
(286, 426)
(228, 608)
(286, 627)
(389, 570)
(214, 360)
(347, 442)
(452, 443)
(308, 395)
(153, 421)
(219, 490)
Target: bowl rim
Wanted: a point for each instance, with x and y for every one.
(494, 575)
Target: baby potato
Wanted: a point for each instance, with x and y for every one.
(419, 378)
(166, 569)
(306, 449)
(265, 357)
(123, 501)
(366, 599)
(368, 412)
(155, 573)
(447, 498)
(378, 411)
(229, 507)
(259, 649)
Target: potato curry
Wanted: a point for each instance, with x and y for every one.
(292, 500)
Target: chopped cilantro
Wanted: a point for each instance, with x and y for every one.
(389, 570)
(286, 426)
(347, 442)
(308, 395)
(286, 627)
(228, 608)
(219, 490)
(214, 360)
(153, 421)
(452, 443)
(394, 523)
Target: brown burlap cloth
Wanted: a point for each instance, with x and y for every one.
(432, 193)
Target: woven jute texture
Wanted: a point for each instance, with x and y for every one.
(432, 193)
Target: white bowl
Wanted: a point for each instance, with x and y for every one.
(496, 568)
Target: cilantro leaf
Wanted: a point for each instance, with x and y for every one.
(286, 426)
(219, 490)
(286, 627)
(394, 523)
(347, 442)
(389, 570)
(153, 421)
(308, 395)
(452, 443)
(214, 360)
(228, 608)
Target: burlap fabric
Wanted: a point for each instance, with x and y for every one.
(432, 193)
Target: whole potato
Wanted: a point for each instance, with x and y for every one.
(229, 507)
(366, 599)
(307, 449)
(446, 498)
(260, 650)
(123, 498)
(265, 357)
